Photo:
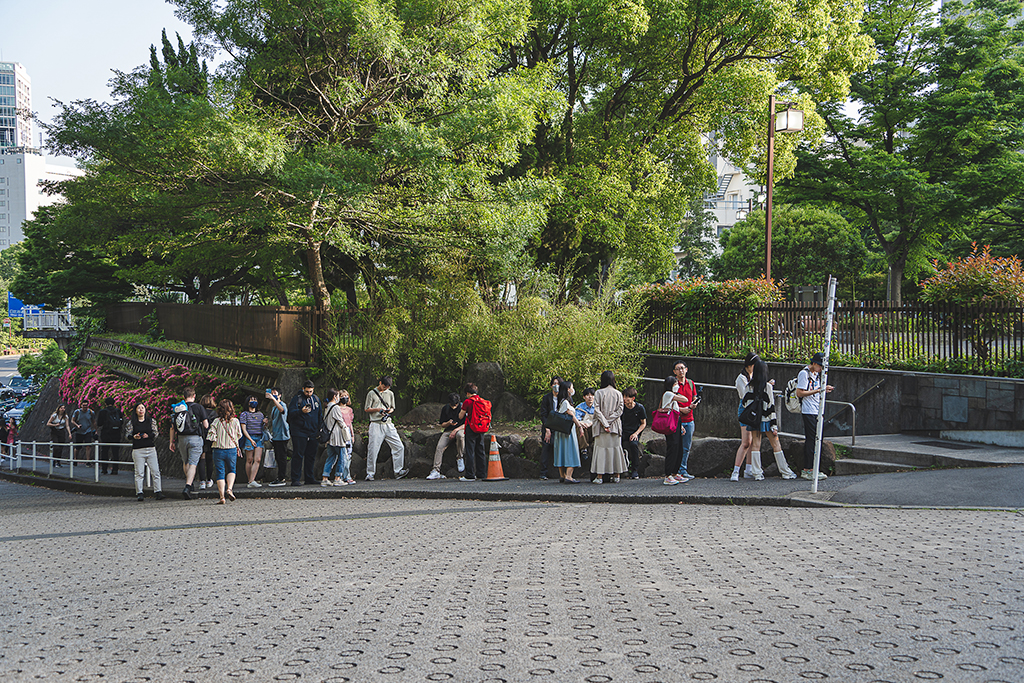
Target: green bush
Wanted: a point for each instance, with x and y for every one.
(44, 364)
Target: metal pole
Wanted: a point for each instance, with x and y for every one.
(96, 458)
(771, 179)
(824, 380)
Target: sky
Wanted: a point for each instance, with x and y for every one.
(70, 47)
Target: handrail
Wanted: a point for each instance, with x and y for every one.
(853, 422)
(94, 462)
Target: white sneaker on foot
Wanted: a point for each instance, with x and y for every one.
(369, 477)
(325, 482)
(340, 482)
(202, 485)
(735, 476)
(670, 481)
(253, 485)
(434, 474)
(461, 464)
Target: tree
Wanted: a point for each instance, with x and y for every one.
(940, 130)
(808, 244)
(9, 265)
(648, 87)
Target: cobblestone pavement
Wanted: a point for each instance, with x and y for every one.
(424, 590)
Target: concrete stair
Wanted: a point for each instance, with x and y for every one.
(904, 452)
(862, 466)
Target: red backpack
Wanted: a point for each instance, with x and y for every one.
(479, 418)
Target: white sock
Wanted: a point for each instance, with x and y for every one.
(736, 470)
(748, 468)
(780, 459)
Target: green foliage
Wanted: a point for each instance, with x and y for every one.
(808, 244)
(44, 364)
(938, 138)
(9, 264)
(980, 278)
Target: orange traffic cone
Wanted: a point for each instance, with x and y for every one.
(494, 471)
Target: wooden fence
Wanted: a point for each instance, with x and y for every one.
(278, 331)
(876, 333)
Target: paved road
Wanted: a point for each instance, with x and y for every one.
(411, 590)
(8, 368)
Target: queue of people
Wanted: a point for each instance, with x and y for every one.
(599, 434)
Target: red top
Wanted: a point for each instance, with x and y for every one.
(689, 390)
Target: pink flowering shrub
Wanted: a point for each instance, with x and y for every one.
(158, 390)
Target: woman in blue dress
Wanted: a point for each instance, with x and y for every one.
(566, 446)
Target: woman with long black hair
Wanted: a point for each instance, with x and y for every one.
(761, 394)
(566, 446)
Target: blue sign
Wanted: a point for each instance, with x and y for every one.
(15, 308)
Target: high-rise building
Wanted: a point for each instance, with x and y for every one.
(15, 106)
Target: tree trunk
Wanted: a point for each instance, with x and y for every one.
(894, 284)
(321, 295)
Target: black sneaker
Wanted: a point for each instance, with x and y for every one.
(186, 492)
(278, 482)
(296, 483)
(160, 495)
(141, 497)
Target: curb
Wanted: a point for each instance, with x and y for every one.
(315, 492)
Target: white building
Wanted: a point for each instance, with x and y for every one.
(736, 195)
(15, 106)
(21, 171)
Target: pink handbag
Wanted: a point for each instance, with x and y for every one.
(666, 421)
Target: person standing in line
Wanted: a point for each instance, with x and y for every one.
(279, 434)
(380, 406)
(548, 405)
(671, 399)
(252, 422)
(809, 391)
(607, 460)
(188, 424)
(305, 413)
(746, 436)
(567, 446)
(634, 421)
(334, 466)
(60, 433)
(225, 433)
(83, 426)
(141, 431)
(689, 390)
(206, 468)
(476, 460)
(110, 421)
(348, 415)
(762, 389)
(449, 420)
(585, 414)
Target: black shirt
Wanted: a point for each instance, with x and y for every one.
(145, 432)
(631, 419)
(199, 413)
(103, 420)
(449, 413)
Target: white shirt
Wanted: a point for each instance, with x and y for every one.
(809, 381)
(741, 385)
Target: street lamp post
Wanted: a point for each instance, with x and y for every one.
(790, 120)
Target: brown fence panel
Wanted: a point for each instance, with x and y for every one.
(127, 318)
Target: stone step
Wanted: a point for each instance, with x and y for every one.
(886, 455)
(858, 466)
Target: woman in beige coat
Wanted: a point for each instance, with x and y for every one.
(608, 460)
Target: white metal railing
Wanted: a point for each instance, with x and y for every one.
(49, 320)
(37, 451)
(780, 408)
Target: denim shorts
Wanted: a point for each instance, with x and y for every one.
(247, 445)
(224, 461)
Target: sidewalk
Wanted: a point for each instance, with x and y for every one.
(995, 487)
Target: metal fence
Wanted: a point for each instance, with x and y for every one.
(981, 339)
(29, 455)
(279, 331)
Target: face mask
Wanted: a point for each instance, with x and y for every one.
(344, 400)
(554, 388)
(253, 404)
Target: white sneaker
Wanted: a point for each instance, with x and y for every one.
(809, 475)
(369, 477)
(789, 475)
(434, 474)
(670, 481)
(759, 477)
(209, 483)
(748, 474)
(735, 476)
(202, 485)
(325, 483)
(340, 482)
(254, 485)
(597, 481)
(461, 464)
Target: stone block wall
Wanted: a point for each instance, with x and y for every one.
(957, 402)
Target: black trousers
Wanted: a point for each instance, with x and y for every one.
(110, 453)
(632, 449)
(810, 436)
(673, 453)
(547, 454)
(281, 456)
(303, 459)
(85, 454)
(476, 462)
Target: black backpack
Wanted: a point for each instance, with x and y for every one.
(114, 420)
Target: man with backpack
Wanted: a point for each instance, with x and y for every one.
(477, 413)
(809, 390)
(111, 422)
(380, 406)
(83, 426)
(188, 426)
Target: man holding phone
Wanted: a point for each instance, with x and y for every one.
(380, 406)
(305, 413)
(279, 434)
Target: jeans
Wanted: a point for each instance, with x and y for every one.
(336, 462)
(303, 459)
(685, 439)
(142, 458)
(224, 461)
(379, 433)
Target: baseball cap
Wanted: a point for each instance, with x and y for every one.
(818, 359)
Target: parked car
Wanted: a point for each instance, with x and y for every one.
(17, 411)
(18, 387)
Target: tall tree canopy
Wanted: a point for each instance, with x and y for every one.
(939, 136)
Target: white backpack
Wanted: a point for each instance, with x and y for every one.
(794, 403)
